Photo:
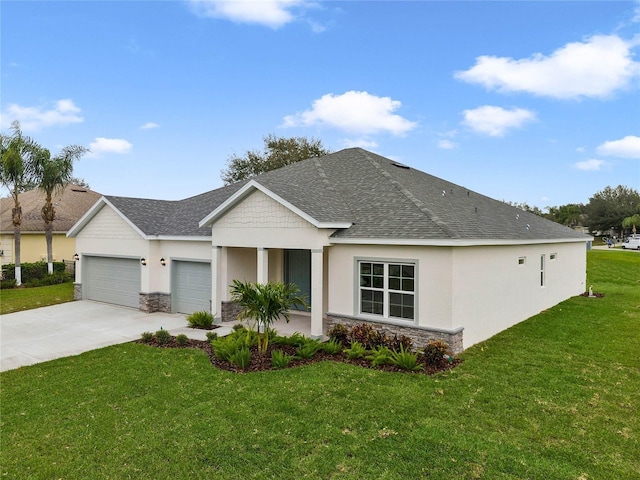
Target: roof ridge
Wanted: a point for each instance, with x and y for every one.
(412, 198)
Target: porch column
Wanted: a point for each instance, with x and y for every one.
(317, 298)
(263, 265)
(216, 283)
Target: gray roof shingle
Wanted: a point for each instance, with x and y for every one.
(381, 198)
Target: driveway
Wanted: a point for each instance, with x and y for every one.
(47, 333)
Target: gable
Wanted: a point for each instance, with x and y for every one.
(258, 210)
(107, 224)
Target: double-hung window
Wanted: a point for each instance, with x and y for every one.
(387, 289)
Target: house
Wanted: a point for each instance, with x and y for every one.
(364, 237)
(70, 203)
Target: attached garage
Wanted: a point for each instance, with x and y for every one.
(191, 286)
(113, 280)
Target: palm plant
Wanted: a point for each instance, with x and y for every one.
(16, 173)
(52, 175)
(265, 303)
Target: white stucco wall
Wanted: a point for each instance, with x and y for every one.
(492, 291)
(482, 289)
(433, 280)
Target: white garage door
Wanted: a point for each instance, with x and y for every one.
(191, 290)
(112, 280)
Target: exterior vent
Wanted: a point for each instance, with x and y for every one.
(399, 165)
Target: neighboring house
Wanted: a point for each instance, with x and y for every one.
(70, 203)
(366, 238)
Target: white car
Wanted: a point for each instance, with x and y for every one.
(632, 242)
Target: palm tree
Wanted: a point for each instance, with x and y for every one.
(265, 303)
(17, 171)
(631, 222)
(52, 175)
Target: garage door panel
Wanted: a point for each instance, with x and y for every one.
(112, 280)
(191, 290)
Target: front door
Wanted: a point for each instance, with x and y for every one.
(297, 270)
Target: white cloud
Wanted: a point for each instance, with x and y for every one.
(495, 121)
(358, 112)
(149, 126)
(33, 119)
(596, 67)
(359, 142)
(270, 13)
(627, 147)
(445, 144)
(592, 165)
(103, 145)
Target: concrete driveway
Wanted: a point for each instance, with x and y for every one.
(47, 333)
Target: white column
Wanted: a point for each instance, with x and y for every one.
(317, 299)
(263, 265)
(216, 283)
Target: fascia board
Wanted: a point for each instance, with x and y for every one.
(452, 242)
(253, 185)
(92, 212)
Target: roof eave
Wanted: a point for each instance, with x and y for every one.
(444, 242)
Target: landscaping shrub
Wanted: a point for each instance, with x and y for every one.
(162, 336)
(241, 358)
(211, 336)
(147, 337)
(280, 359)
(436, 353)
(200, 319)
(339, 333)
(182, 340)
(294, 340)
(309, 348)
(405, 359)
(368, 336)
(225, 348)
(35, 274)
(332, 347)
(356, 350)
(395, 342)
(380, 356)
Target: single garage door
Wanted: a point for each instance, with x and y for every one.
(112, 280)
(191, 290)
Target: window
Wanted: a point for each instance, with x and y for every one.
(522, 260)
(387, 289)
(542, 270)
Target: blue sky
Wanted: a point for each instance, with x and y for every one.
(535, 102)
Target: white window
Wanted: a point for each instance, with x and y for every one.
(387, 289)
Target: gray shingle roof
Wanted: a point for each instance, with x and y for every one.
(381, 198)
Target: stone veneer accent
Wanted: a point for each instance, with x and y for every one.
(230, 311)
(155, 302)
(420, 335)
(77, 291)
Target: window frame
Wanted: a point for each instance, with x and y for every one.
(386, 290)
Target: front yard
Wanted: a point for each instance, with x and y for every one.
(555, 397)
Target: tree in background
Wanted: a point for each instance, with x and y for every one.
(569, 215)
(631, 222)
(16, 172)
(608, 208)
(52, 174)
(278, 152)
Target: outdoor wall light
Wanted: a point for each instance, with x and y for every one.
(163, 262)
(143, 261)
(76, 257)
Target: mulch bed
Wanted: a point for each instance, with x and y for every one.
(261, 363)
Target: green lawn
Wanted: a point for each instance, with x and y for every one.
(555, 397)
(17, 299)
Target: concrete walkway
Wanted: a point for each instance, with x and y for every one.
(47, 333)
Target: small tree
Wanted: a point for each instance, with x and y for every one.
(631, 222)
(265, 303)
(52, 174)
(16, 172)
(278, 152)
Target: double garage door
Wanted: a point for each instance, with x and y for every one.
(118, 280)
(112, 280)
